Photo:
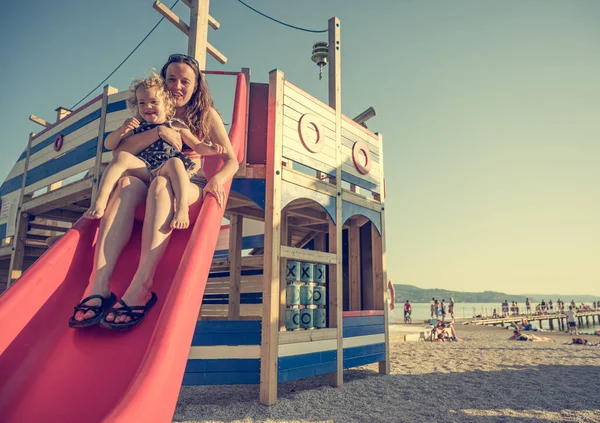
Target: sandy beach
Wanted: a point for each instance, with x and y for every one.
(483, 378)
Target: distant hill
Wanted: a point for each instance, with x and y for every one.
(422, 295)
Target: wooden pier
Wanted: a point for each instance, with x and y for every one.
(584, 319)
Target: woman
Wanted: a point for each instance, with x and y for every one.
(194, 105)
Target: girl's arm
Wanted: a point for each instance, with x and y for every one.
(124, 131)
(218, 135)
(200, 147)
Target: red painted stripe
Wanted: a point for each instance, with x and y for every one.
(363, 313)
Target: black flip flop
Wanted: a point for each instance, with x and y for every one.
(99, 310)
(135, 313)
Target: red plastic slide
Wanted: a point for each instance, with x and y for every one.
(52, 373)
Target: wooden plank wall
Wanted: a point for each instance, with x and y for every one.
(48, 167)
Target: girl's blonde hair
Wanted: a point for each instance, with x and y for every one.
(154, 81)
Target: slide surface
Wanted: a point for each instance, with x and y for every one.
(52, 373)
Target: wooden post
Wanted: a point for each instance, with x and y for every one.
(282, 270)
(198, 37)
(354, 265)
(551, 321)
(335, 231)
(235, 265)
(384, 366)
(270, 316)
(15, 269)
(108, 90)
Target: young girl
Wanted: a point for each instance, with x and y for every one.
(151, 101)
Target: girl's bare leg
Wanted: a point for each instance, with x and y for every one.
(121, 163)
(174, 170)
(155, 239)
(114, 233)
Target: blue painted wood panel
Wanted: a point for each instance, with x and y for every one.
(362, 330)
(223, 365)
(212, 339)
(303, 372)
(363, 321)
(350, 209)
(306, 360)
(354, 352)
(228, 326)
(362, 360)
(251, 188)
(224, 378)
(245, 298)
(363, 183)
(77, 155)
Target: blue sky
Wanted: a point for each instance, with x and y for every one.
(489, 111)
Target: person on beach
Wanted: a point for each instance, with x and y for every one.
(518, 336)
(407, 310)
(443, 309)
(528, 305)
(432, 308)
(451, 308)
(193, 106)
(543, 305)
(550, 305)
(572, 321)
(152, 103)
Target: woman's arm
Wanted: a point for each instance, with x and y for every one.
(139, 142)
(218, 135)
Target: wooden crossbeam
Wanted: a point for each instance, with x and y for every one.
(47, 227)
(214, 24)
(39, 121)
(309, 214)
(307, 238)
(185, 28)
(250, 213)
(308, 255)
(71, 193)
(61, 215)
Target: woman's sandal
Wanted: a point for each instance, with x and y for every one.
(99, 310)
(135, 313)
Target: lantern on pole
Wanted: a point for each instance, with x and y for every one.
(319, 56)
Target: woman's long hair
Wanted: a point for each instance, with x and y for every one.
(197, 110)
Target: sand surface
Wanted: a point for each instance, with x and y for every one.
(484, 378)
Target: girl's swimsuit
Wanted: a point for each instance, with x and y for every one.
(157, 153)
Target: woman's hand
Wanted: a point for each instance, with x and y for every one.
(216, 188)
(171, 136)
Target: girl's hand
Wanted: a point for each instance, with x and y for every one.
(216, 188)
(129, 125)
(171, 136)
(217, 148)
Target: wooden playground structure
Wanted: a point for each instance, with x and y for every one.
(301, 289)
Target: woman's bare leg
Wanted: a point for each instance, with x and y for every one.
(121, 163)
(115, 231)
(174, 170)
(155, 239)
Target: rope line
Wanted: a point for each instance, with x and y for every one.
(282, 23)
(124, 60)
